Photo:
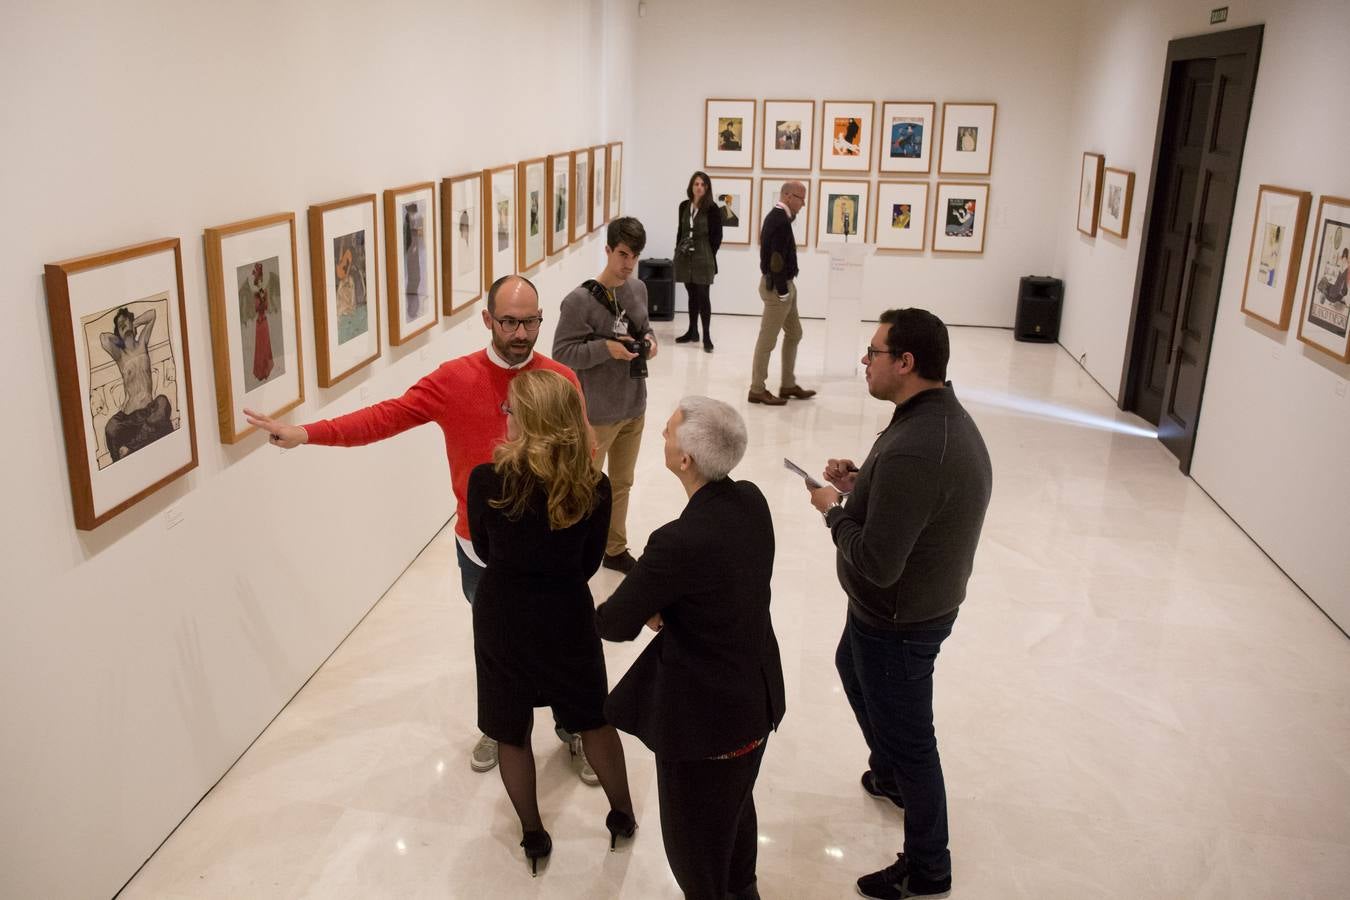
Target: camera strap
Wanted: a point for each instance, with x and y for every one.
(611, 305)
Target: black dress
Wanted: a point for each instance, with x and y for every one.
(534, 635)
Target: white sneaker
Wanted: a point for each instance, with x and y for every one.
(484, 756)
(584, 770)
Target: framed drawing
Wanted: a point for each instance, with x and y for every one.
(906, 136)
(532, 206)
(769, 191)
(614, 190)
(410, 260)
(789, 135)
(1117, 199)
(122, 372)
(967, 138)
(1278, 229)
(841, 215)
(735, 200)
(559, 171)
(846, 135)
(901, 220)
(1090, 193)
(1325, 317)
(253, 294)
(462, 240)
(344, 272)
(599, 186)
(499, 242)
(729, 134)
(959, 216)
(581, 194)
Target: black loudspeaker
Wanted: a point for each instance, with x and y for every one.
(1039, 301)
(659, 277)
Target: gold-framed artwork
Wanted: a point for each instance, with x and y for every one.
(846, 128)
(788, 136)
(582, 185)
(1117, 201)
(906, 132)
(614, 181)
(253, 298)
(967, 138)
(124, 379)
(959, 216)
(1090, 192)
(1279, 227)
(462, 240)
(558, 170)
(531, 211)
(770, 190)
(344, 270)
(900, 223)
(600, 185)
(410, 260)
(841, 211)
(1324, 322)
(499, 237)
(728, 134)
(735, 197)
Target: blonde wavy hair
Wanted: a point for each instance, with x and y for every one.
(551, 448)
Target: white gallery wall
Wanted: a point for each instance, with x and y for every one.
(139, 660)
(1018, 55)
(1274, 427)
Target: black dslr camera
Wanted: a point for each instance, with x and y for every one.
(637, 366)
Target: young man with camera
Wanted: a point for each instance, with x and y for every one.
(604, 335)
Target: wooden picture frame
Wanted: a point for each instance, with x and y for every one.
(967, 138)
(462, 241)
(531, 212)
(906, 132)
(1090, 193)
(846, 128)
(599, 186)
(1279, 226)
(769, 191)
(729, 128)
(98, 305)
(841, 211)
(499, 233)
(1324, 321)
(582, 185)
(253, 298)
(614, 180)
(1117, 201)
(903, 206)
(558, 171)
(735, 199)
(960, 213)
(789, 135)
(412, 260)
(343, 254)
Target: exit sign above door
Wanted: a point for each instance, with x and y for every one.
(1218, 15)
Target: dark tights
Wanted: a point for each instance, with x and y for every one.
(603, 751)
(700, 307)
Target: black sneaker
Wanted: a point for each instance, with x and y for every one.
(896, 883)
(619, 562)
(869, 784)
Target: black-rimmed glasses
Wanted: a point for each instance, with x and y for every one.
(509, 324)
(873, 352)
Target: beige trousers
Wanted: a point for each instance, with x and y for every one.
(779, 315)
(619, 441)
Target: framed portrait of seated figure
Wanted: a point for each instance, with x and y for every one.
(728, 134)
(462, 240)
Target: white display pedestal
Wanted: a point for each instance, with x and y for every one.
(843, 309)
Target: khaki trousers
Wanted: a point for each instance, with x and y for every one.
(779, 315)
(620, 442)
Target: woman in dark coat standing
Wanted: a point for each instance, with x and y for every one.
(539, 516)
(697, 240)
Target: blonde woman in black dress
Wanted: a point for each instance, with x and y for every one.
(539, 516)
(697, 240)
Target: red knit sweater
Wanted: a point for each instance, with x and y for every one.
(464, 396)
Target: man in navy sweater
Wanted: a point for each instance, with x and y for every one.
(778, 263)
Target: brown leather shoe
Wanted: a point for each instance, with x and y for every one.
(766, 398)
(796, 392)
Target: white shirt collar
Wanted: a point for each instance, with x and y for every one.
(497, 360)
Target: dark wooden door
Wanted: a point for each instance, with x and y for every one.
(1202, 129)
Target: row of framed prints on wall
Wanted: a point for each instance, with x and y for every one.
(902, 136)
(893, 215)
(119, 329)
(1278, 232)
(1105, 197)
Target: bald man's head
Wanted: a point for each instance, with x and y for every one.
(513, 317)
(509, 286)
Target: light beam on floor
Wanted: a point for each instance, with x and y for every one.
(1042, 410)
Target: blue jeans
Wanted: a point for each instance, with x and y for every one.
(888, 677)
(470, 573)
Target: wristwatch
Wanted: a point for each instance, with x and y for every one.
(825, 513)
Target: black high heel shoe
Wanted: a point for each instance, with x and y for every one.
(707, 345)
(538, 845)
(687, 338)
(620, 825)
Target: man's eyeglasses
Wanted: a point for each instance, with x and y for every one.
(873, 352)
(510, 323)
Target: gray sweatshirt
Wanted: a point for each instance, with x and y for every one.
(579, 343)
(907, 534)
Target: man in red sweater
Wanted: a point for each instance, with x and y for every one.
(465, 397)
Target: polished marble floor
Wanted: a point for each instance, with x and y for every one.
(1135, 701)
